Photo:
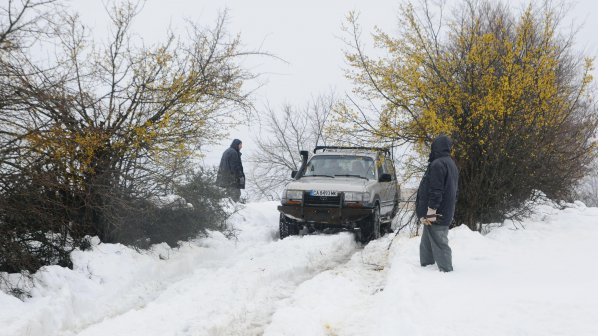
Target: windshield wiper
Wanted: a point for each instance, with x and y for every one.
(318, 175)
(352, 175)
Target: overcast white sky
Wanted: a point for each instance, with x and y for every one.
(304, 33)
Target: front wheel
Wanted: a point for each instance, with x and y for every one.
(370, 227)
(287, 227)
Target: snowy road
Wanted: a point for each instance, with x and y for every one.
(534, 281)
(212, 287)
(238, 296)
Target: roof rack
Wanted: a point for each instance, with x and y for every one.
(337, 148)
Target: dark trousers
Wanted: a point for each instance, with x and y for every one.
(234, 193)
(434, 248)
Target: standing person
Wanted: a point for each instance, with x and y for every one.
(435, 205)
(230, 172)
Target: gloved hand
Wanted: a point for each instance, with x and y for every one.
(430, 217)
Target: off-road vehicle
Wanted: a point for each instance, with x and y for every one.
(351, 188)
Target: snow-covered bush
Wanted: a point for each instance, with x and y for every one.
(194, 208)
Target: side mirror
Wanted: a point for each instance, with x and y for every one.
(385, 178)
(293, 174)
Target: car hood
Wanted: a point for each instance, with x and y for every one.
(328, 183)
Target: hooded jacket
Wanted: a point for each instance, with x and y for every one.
(438, 187)
(230, 171)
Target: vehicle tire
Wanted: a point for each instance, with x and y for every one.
(287, 227)
(370, 227)
(385, 228)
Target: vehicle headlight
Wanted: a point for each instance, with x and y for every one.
(351, 196)
(293, 194)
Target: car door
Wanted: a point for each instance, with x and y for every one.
(387, 196)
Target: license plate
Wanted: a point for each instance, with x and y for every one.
(324, 193)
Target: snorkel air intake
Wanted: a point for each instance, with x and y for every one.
(297, 174)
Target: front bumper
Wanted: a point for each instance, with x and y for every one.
(333, 215)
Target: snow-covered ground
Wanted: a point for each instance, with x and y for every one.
(537, 280)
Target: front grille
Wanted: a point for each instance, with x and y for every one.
(321, 200)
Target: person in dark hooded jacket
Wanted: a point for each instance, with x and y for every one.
(230, 172)
(435, 205)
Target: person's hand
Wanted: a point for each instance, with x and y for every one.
(431, 215)
(429, 218)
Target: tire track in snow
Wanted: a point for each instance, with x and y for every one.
(239, 296)
(337, 301)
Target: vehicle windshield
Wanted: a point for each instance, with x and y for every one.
(341, 165)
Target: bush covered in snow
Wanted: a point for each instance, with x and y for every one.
(35, 231)
(198, 205)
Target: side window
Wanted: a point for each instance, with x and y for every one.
(389, 168)
(380, 161)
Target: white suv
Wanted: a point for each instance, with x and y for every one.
(351, 188)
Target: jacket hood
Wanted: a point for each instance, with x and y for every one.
(441, 146)
(235, 144)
